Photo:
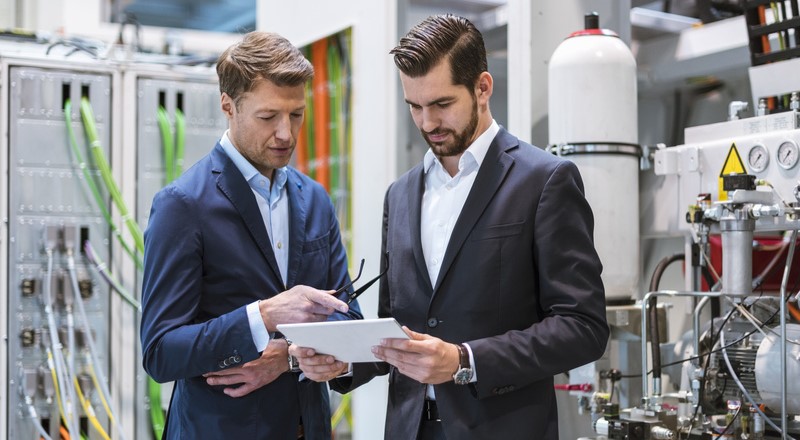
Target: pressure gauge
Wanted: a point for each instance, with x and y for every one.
(758, 158)
(788, 154)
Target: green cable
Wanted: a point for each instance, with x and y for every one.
(776, 16)
(347, 222)
(309, 132)
(105, 172)
(154, 388)
(180, 141)
(93, 187)
(166, 142)
(334, 77)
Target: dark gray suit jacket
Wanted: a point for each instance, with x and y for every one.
(520, 283)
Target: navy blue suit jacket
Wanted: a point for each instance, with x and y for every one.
(519, 282)
(208, 255)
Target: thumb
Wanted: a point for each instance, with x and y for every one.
(414, 335)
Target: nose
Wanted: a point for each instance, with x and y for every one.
(283, 131)
(429, 120)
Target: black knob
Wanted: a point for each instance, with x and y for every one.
(591, 20)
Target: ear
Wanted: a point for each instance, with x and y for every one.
(485, 87)
(227, 105)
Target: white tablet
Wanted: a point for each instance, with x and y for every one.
(348, 341)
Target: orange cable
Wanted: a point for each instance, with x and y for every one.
(762, 18)
(794, 311)
(319, 55)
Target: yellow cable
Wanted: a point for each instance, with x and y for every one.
(102, 395)
(89, 411)
(55, 382)
(341, 411)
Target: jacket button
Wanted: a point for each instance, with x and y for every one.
(222, 364)
(433, 322)
(237, 359)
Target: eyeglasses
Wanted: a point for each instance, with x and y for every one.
(356, 293)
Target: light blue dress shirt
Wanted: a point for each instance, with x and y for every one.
(273, 203)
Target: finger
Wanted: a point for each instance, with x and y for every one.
(327, 300)
(414, 335)
(239, 391)
(225, 380)
(301, 352)
(320, 315)
(392, 356)
(397, 344)
(317, 360)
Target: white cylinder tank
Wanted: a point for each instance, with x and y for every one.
(592, 107)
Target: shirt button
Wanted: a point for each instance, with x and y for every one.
(435, 261)
(280, 245)
(433, 322)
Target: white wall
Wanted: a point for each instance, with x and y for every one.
(375, 108)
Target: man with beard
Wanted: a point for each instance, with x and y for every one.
(238, 244)
(492, 267)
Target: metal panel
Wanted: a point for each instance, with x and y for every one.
(205, 123)
(48, 199)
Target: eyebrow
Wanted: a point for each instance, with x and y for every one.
(434, 102)
(274, 110)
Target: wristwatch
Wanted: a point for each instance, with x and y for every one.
(294, 366)
(463, 375)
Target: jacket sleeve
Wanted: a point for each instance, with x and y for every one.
(177, 342)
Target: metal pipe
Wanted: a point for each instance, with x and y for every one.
(784, 282)
(645, 300)
(696, 325)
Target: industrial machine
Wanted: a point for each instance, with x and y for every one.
(732, 190)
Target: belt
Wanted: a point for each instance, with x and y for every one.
(430, 412)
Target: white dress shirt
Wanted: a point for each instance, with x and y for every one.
(273, 203)
(442, 203)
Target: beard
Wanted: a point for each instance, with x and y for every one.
(461, 140)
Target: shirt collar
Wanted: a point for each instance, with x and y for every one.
(477, 150)
(250, 173)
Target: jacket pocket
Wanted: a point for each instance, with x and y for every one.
(497, 231)
(316, 244)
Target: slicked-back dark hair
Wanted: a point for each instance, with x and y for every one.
(261, 55)
(440, 36)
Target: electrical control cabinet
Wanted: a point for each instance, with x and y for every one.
(164, 102)
(50, 213)
(198, 100)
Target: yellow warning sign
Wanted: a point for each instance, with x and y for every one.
(733, 165)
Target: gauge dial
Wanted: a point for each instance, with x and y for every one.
(788, 154)
(758, 158)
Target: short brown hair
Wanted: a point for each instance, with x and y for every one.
(261, 55)
(440, 36)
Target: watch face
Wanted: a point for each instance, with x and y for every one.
(462, 376)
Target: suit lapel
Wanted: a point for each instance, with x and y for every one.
(236, 189)
(298, 214)
(417, 188)
(490, 176)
